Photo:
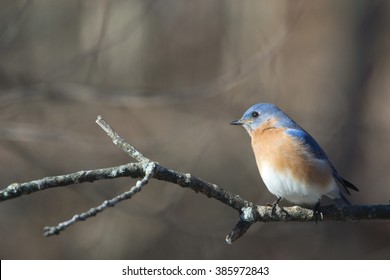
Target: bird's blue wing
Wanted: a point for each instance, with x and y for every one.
(315, 149)
(305, 138)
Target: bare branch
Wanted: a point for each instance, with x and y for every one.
(249, 213)
(15, 190)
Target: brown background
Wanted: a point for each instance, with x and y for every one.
(169, 76)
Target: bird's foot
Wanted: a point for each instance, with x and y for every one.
(317, 213)
(274, 204)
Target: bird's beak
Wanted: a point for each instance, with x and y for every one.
(238, 122)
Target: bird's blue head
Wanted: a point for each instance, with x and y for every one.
(261, 113)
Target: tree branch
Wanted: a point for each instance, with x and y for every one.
(145, 169)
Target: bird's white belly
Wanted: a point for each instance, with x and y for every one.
(284, 185)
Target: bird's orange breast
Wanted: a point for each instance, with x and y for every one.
(284, 153)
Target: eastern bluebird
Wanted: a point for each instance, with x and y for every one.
(291, 163)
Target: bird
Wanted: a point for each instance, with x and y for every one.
(291, 163)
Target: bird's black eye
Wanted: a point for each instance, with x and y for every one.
(255, 115)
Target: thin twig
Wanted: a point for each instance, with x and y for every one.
(120, 142)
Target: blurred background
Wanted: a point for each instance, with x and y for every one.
(169, 76)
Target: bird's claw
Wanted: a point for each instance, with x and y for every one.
(274, 204)
(317, 214)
